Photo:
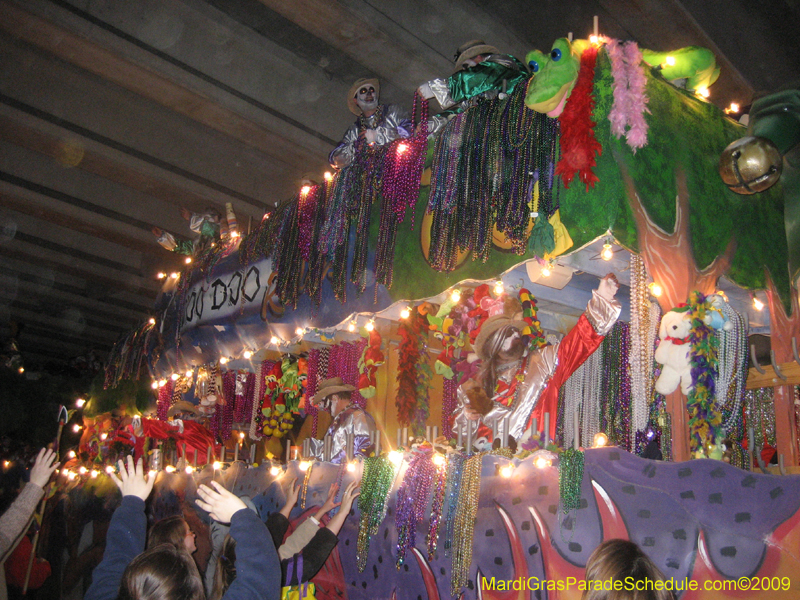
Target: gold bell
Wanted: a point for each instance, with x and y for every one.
(750, 165)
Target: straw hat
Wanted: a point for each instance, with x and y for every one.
(331, 386)
(182, 406)
(351, 95)
(492, 325)
(472, 49)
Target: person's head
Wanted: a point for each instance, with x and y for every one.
(616, 560)
(333, 395)
(225, 570)
(172, 530)
(362, 99)
(163, 572)
(472, 53)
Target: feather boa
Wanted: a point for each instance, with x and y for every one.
(578, 143)
(705, 418)
(630, 101)
(413, 373)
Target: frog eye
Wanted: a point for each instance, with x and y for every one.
(533, 65)
(555, 54)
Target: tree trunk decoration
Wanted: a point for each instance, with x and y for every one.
(668, 256)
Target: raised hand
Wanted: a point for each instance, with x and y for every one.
(132, 480)
(43, 467)
(219, 502)
(349, 496)
(608, 286)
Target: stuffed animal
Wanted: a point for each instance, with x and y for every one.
(715, 317)
(673, 352)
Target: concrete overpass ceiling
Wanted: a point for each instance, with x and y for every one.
(114, 115)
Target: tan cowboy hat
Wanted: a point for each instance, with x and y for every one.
(331, 386)
(490, 326)
(351, 95)
(182, 406)
(472, 49)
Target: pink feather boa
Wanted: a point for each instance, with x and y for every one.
(630, 101)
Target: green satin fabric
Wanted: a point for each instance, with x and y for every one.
(483, 77)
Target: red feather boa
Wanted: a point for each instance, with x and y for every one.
(578, 144)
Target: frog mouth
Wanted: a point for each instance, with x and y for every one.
(553, 105)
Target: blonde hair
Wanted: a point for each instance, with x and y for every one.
(623, 561)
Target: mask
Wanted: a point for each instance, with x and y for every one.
(367, 98)
(511, 337)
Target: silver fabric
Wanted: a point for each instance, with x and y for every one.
(352, 419)
(395, 124)
(441, 91)
(542, 364)
(167, 240)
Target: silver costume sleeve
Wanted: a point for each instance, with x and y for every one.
(441, 91)
(395, 124)
(343, 154)
(602, 313)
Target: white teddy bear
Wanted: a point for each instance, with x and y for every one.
(673, 353)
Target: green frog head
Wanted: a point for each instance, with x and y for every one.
(554, 76)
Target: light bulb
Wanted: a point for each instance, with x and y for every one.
(455, 296)
(173, 275)
(273, 340)
(234, 234)
(161, 275)
(71, 454)
(703, 92)
(670, 60)
(21, 370)
(104, 436)
(607, 253)
(188, 260)
(241, 435)
(351, 467)
(758, 304)
(71, 475)
(304, 464)
(274, 471)
(76, 428)
(439, 460)
(507, 471)
(109, 469)
(248, 354)
(169, 469)
(401, 148)
(498, 288)
(223, 360)
(655, 289)
(189, 374)
(546, 271)
(152, 321)
(162, 383)
(299, 331)
(600, 440)
(94, 473)
(80, 402)
(396, 457)
(405, 313)
(217, 465)
(154, 385)
(174, 377)
(594, 39)
(305, 189)
(370, 325)
(542, 463)
(328, 176)
(189, 470)
(83, 470)
(351, 327)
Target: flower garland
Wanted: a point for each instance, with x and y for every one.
(705, 418)
(412, 499)
(376, 483)
(578, 143)
(413, 373)
(630, 100)
(369, 362)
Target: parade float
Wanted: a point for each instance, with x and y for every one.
(383, 274)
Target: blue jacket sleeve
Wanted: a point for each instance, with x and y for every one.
(124, 542)
(258, 570)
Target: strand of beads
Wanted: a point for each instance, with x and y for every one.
(464, 523)
(455, 467)
(436, 510)
(376, 483)
(412, 499)
(449, 403)
(226, 410)
(638, 359)
(304, 489)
